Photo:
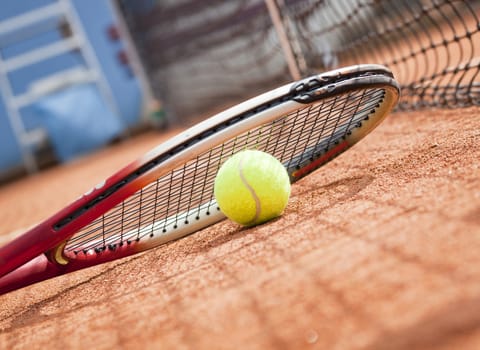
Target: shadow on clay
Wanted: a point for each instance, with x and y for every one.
(340, 190)
(336, 192)
(32, 313)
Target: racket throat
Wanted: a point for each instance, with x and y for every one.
(57, 256)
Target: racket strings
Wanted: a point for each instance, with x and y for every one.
(146, 206)
(186, 192)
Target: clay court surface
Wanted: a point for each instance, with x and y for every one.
(377, 250)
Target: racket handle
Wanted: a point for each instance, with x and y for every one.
(35, 270)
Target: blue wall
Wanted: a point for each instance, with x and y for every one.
(96, 17)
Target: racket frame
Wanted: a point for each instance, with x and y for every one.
(42, 246)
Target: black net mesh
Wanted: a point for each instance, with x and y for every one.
(295, 139)
(207, 54)
(432, 47)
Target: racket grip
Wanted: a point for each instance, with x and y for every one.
(36, 270)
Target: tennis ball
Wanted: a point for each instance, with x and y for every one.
(252, 187)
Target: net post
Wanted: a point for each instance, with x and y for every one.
(276, 16)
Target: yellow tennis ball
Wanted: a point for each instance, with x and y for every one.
(252, 187)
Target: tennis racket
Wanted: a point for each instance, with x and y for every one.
(168, 193)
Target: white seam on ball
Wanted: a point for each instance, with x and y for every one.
(252, 192)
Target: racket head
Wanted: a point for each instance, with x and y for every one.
(168, 193)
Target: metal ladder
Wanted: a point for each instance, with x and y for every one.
(24, 26)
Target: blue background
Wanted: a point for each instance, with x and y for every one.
(96, 16)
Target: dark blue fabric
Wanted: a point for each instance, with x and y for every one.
(77, 121)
